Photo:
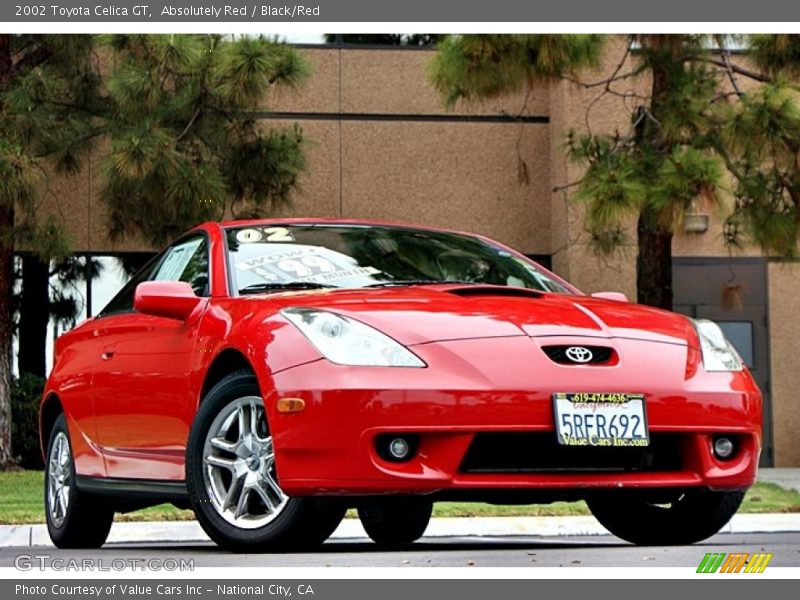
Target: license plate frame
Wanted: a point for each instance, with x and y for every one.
(615, 419)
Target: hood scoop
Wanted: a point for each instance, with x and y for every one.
(483, 291)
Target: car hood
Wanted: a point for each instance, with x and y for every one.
(421, 314)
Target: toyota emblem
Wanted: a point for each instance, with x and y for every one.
(579, 354)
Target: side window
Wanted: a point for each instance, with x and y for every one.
(123, 301)
(186, 261)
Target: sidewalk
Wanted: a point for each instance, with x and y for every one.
(191, 532)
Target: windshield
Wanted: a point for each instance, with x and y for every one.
(352, 256)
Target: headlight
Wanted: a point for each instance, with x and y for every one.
(718, 353)
(347, 342)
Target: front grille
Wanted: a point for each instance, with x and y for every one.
(539, 452)
(601, 355)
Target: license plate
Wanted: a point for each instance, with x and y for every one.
(600, 419)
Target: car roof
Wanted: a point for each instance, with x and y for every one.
(334, 221)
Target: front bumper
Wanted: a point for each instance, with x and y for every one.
(490, 391)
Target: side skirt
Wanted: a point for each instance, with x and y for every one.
(133, 494)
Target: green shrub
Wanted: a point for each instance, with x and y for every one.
(26, 394)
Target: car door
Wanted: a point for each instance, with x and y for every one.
(71, 378)
(143, 401)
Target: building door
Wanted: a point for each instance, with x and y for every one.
(699, 284)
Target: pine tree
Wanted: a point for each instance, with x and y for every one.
(180, 115)
(180, 120)
(694, 131)
(19, 177)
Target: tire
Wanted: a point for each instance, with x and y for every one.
(396, 521)
(232, 479)
(75, 519)
(692, 517)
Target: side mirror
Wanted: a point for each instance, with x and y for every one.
(169, 299)
(617, 296)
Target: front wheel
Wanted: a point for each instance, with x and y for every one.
(232, 478)
(75, 519)
(396, 521)
(690, 517)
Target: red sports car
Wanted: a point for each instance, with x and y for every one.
(272, 374)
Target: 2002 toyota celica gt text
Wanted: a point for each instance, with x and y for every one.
(272, 374)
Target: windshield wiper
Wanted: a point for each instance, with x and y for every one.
(255, 288)
(400, 282)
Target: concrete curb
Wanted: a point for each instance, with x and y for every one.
(191, 532)
(786, 478)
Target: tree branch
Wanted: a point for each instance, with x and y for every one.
(611, 79)
(31, 60)
(615, 76)
(726, 57)
(78, 141)
(723, 96)
(734, 68)
(189, 124)
(77, 107)
(726, 158)
(566, 186)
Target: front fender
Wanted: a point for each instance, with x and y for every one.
(257, 331)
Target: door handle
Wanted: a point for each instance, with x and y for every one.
(107, 355)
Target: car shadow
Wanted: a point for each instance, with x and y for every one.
(365, 546)
(427, 545)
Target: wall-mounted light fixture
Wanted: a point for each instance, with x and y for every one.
(694, 220)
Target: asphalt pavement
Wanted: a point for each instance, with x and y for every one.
(506, 551)
(572, 541)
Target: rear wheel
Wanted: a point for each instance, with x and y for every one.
(75, 519)
(232, 477)
(691, 517)
(396, 521)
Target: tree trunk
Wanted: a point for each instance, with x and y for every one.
(6, 331)
(654, 264)
(34, 314)
(654, 259)
(6, 277)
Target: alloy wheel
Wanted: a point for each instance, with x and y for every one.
(239, 466)
(59, 479)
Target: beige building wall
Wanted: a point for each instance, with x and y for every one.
(574, 107)
(784, 308)
(320, 186)
(382, 145)
(396, 81)
(461, 176)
